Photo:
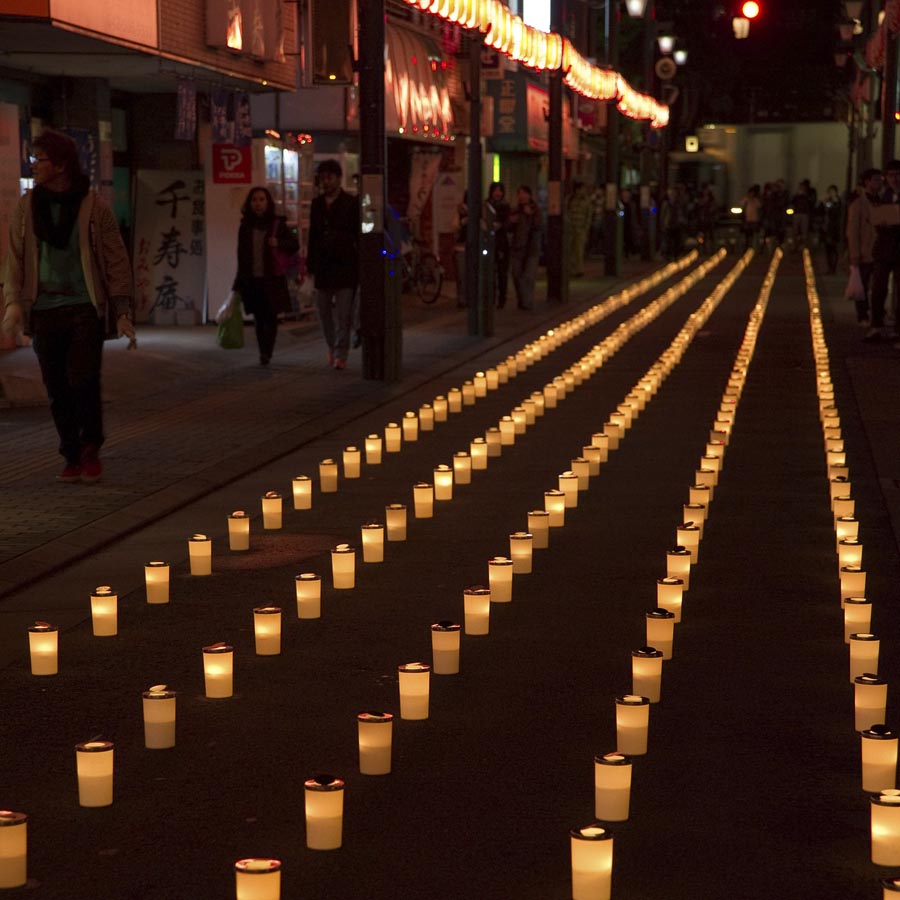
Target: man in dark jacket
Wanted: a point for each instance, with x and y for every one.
(886, 252)
(333, 259)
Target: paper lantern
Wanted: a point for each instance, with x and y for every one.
(850, 553)
(343, 567)
(324, 796)
(600, 440)
(592, 862)
(551, 396)
(612, 787)
(613, 433)
(632, 724)
(520, 420)
(443, 483)
(301, 487)
(218, 671)
(846, 528)
(13, 849)
(492, 377)
(591, 455)
(426, 417)
(539, 528)
(445, 648)
(156, 580)
(423, 500)
(507, 429)
(393, 437)
(479, 453)
(678, 565)
(373, 542)
(308, 587)
(885, 828)
(267, 630)
(257, 879)
(352, 460)
(477, 608)
(646, 673)
(462, 467)
(669, 594)
(454, 400)
(328, 476)
(520, 547)
(530, 414)
(694, 514)
(440, 408)
(688, 536)
(708, 478)
(853, 582)
(159, 717)
(238, 531)
(271, 511)
(890, 888)
(410, 426)
(500, 579)
(94, 765)
(375, 732)
(395, 521)
(869, 701)
(502, 373)
(701, 495)
(492, 439)
(104, 611)
(864, 649)
(480, 384)
(857, 616)
(661, 631)
(555, 505)
(580, 468)
(200, 555)
(43, 646)
(879, 758)
(374, 447)
(415, 682)
(840, 487)
(537, 397)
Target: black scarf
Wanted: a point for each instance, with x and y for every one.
(57, 234)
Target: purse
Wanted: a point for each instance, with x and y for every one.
(286, 263)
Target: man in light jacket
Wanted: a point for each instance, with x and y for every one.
(861, 236)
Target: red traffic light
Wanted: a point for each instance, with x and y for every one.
(750, 9)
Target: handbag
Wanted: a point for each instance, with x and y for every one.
(287, 263)
(230, 333)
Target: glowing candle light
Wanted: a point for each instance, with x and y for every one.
(13, 849)
(301, 487)
(218, 671)
(267, 630)
(551, 396)
(308, 587)
(694, 514)
(493, 441)
(443, 483)
(393, 437)
(352, 460)
(869, 701)
(600, 440)
(159, 717)
(423, 500)
(445, 642)
(688, 536)
(104, 611)
(373, 542)
(890, 888)
(520, 420)
(646, 673)
(708, 478)
(462, 467)
(850, 553)
(840, 487)
(343, 567)
(885, 828)
(94, 765)
(632, 724)
(613, 433)
(468, 393)
(857, 616)
(537, 397)
(156, 580)
(257, 879)
(529, 406)
(612, 787)
(239, 531)
(480, 384)
(374, 446)
(328, 476)
(568, 484)
(661, 631)
(500, 579)
(200, 554)
(555, 505)
(520, 547)
(864, 649)
(846, 528)
(440, 408)
(539, 528)
(879, 758)
(415, 683)
(843, 507)
(678, 565)
(324, 796)
(395, 521)
(477, 607)
(375, 732)
(592, 862)
(410, 426)
(454, 400)
(43, 646)
(426, 417)
(700, 494)
(271, 511)
(479, 453)
(502, 373)
(592, 455)
(853, 582)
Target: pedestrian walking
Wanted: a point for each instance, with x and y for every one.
(886, 251)
(265, 244)
(579, 213)
(68, 285)
(804, 204)
(751, 204)
(861, 237)
(524, 246)
(496, 215)
(830, 228)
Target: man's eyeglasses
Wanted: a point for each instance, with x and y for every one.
(34, 160)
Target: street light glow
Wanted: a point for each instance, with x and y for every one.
(750, 9)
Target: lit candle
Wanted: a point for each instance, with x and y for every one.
(375, 736)
(440, 408)
(445, 648)
(646, 673)
(885, 828)
(324, 796)
(694, 514)
(423, 500)
(343, 567)
(302, 490)
(500, 579)
(529, 406)
(373, 449)
(850, 553)
(13, 849)
(600, 440)
(669, 595)
(454, 400)
(308, 587)
(700, 494)
(393, 437)
(104, 611)
(864, 650)
(159, 717)
(520, 547)
(581, 469)
(426, 417)
(890, 888)
(869, 701)
(415, 681)
(495, 378)
(678, 565)
(200, 554)
(43, 645)
(410, 426)
(395, 521)
(492, 439)
(688, 536)
(156, 580)
(592, 862)
(478, 452)
(857, 616)
(94, 765)
(840, 487)
(352, 460)
(462, 467)
(477, 607)
(592, 455)
(271, 511)
(846, 527)
(257, 879)
(613, 433)
(612, 787)
(239, 530)
(373, 542)
(551, 396)
(853, 582)
(539, 528)
(537, 398)
(507, 431)
(661, 631)
(879, 758)
(468, 393)
(708, 478)
(480, 384)
(520, 420)
(555, 505)
(328, 476)
(632, 724)
(218, 671)
(267, 630)
(443, 483)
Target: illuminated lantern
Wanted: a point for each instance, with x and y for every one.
(308, 587)
(853, 582)
(440, 408)
(462, 467)
(238, 531)
(443, 483)
(328, 476)
(850, 553)
(104, 611)
(94, 764)
(492, 439)
(218, 671)
(480, 384)
(646, 673)
(479, 452)
(373, 542)
(374, 447)
(688, 536)
(271, 511)
(864, 649)
(678, 565)
(200, 553)
(415, 681)
(375, 737)
(669, 594)
(159, 718)
(477, 606)
(869, 701)
(426, 417)
(13, 849)
(257, 879)
(43, 645)
(520, 546)
(445, 648)
(352, 460)
(423, 500)
(582, 470)
(343, 567)
(539, 528)
(267, 630)
(507, 431)
(879, 758)
(393, 437)
(468, 394)
(410, 426)
(454, 400)
(520, 420)
(302, 491)
(324, 796)
(592, 862)
(156, 579)
(885, 828)
(661, 631)
(555, 505)
(500, 579)
(857, 616)
(593, 456)
(632, 724)
(395, 521)
(612, 787)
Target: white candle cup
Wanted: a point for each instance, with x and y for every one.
(890, 888)
(352, 462)
(507, 431)
(462, 467)
(520, 547)
(632, 724)
(530, 411)
(218, 671)
(271, 511)
(688, 536)
(708, 478)
(646, 673)
(493, 377)
(581, 469)
(372, 542)
(846, 528)
(678, 565)
(477, 608)
(410, 425)
(238, 531)
(853, 582)
(591, 455)
(500, 579)
(423, 500)
(520, 420)
(200, 554)
(669, 595)
(885, 828)
(328, 476)
(267, 630)
(308, 587)
(612, 787)
(94, 765)
(840, 487)
(879, 758)
(393, 438)
(395, 521)
(159, 717)
(850, 552)
(426, 417)
(468, 393)
(443, 483)
(257, 879)
(614, 433)
(343, 567)
(445, 642)
(415, 683)
(479, 453)
(600, 440)
(694, 514)
(13, 849)
(301, 487)
(857, 616)
(375, 732)
(454, 400)
(492, 440)
(440, 408)
(661, 631)
(592, 862)
(701, 495)
(156, 580)
(324, 796)
(555, 505)
(104, 611)
(551, 396)
(843, 506)
(864, 649)
(480, 384)
(43, 647)
(842, 471)
(869, 701)
(374, 447)
(539, 528)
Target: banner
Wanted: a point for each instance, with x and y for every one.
(423, 172)
(169, 247)
(186, 110)
(221, 116)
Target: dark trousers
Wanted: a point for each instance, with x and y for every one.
(265, 319)
(878, 294)
(501, 275)
(862, 306)
(68, 342)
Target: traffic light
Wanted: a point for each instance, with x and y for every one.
(750, 9)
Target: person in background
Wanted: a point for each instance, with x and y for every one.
(68, 284)
(496, 216)
(333, 259)
(631, 223)
(885, 254)
(832, 219)
(861, 236)
(260, 280)
(579, 213)
(803, 203)
(751, 204)
(524, 246)
(672, 220)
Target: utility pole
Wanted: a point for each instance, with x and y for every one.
(481, 312)
(612, 222)
(889, 96)
(557, 274)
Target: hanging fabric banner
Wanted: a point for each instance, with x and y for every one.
(186, 112)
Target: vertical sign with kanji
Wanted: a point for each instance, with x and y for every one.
(169, 247)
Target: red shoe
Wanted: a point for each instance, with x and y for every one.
(91, 467)
(70, 474)
(340, 363)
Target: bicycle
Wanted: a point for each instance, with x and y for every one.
(421, 272)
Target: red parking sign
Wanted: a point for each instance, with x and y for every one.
(231, 165)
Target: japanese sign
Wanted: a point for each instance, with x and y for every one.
(169, 247)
